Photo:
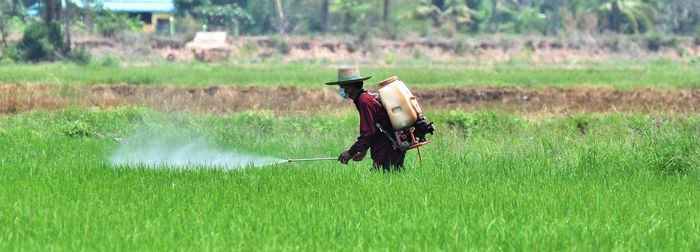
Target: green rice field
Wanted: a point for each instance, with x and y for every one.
(654, 74)
(490, 181)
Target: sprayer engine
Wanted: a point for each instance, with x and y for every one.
(410, 137)
(415, 136)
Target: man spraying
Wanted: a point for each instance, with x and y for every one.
(385, 157)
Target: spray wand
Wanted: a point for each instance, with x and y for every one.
(311, 159)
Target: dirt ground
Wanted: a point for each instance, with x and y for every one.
(301, 101)
(537, 50)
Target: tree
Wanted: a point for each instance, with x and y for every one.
(280, 17)
(324, 16)
(504, 14)
(352, 14)
(109, 23)
(87, 13)
(636, 14)
(222, 14)
(682, 16)
(69, 17)
(263, 16)
(556, 17)
(52, 11)
(52, 19)
(443, 11)
(385, 13)
(5, 8)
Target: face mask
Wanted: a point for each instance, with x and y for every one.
(341, 92)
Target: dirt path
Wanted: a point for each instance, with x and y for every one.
(291, 100)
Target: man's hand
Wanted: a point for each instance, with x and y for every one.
(359, 156)
(344, 157)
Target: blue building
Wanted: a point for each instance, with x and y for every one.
(155, 14)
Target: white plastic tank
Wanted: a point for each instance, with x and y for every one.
(399, 103)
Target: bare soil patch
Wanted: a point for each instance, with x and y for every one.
(15, 98)
(488, 50)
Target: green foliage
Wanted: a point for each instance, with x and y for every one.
(654, 42)
(229, 15)
(443, 12)
(109, 61)
(16, 24)
(462, 47)
(262, 14)
(481, 14)
(41, 42)
(303, 17)
(281, 44)
(109, 23)
(696, 39)
(530, 20)
(353, 15)
(80, 56)
(504, 19)
(12, 53)
(76, 129)
(636, 15)
(680, 17)
(186, 6)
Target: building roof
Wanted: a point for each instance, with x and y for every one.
(129, 6)
(159, 6)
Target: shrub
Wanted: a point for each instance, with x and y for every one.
(352, 46)
(80, 56)
(109, 23)
(531, 21)
(461, 47)
(41, 42)
(76, 129)
(11, 54)
(109, 61)
(281, 44)
(654, 42)
(696, 40)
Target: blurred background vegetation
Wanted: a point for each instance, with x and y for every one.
(47, 35)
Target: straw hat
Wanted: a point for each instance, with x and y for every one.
(348, 75)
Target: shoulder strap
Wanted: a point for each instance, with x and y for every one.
(376, 97)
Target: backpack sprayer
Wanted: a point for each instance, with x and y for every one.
(409, 125)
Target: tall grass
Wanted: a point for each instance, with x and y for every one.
(623, 75)
(491, 181)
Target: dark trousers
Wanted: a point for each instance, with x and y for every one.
(394, 164)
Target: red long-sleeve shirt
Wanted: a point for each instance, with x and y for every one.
(371, 113)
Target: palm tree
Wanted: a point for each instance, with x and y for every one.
(443, 11)
(637, 13)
